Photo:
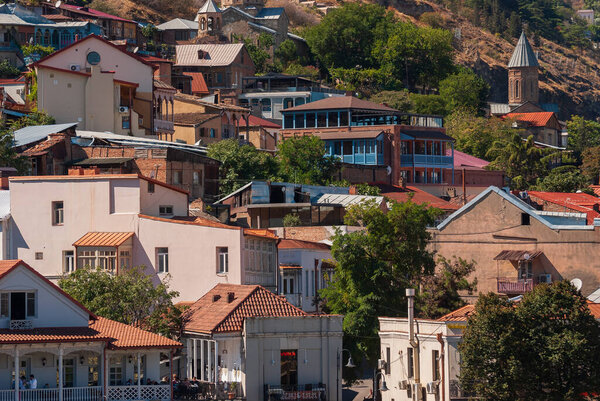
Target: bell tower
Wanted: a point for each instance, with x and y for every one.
(209, 19)
(523, 79)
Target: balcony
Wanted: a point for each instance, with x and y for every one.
(514, 286)
(92, 393)
(164, 126)
(427, 160)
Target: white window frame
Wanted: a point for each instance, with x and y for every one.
(165, 210)
(69, 265)
(222, 260)
(58, 213)
(162, 260)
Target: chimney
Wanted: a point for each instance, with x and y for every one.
(349, 93)
(216, 297)
(352, 190)
(230, 297)
(200, 54)
(91, 171)
(76, 171)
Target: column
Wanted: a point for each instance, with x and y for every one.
(216, 362)
(16, 373)
(60, 372)
(189, 355)
(139, 379)
(195, 360)
(208, 359)
(202, 360)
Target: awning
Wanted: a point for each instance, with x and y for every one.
(103, 239)
(290, 267)
(349, 134)
(517, 255)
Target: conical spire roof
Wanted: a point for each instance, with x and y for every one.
(523, 55)
(209, 7)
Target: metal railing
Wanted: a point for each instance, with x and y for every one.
(92, 393)
(514, 286)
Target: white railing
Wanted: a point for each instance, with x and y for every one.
(128, 393)
(40, 394)
(7, 395)
(92, 393)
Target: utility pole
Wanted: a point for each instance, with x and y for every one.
(410, 294)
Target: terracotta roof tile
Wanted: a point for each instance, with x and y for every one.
(579, 202)
(260, 233)
(537, 119)
(193, 220)
(419, 196)
(214, 313)
(459, 315)
(125, 336)
(103, 239)
(193, 118)
(299, 244)
(258, 122)
(198, 83)
(43, 147)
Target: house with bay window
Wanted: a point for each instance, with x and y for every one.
(116, 221)
(245, 341)
(72, 353)
(369, 136)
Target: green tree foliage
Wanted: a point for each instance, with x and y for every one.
(7, 70)
(591, 164)
(366, 189)
(259, 51)
(375, 265)
(37, 51)
(542, 348)
(8, 156)
(562, 179)
(464, 89)
(583, 134)
(399, 100)
(475, 135)
(149, 31)
(291, 220)
(440, 293)
(428, 104)
(129, 297)
(287, 52)
(303, 160)
(522, 161)
(366, 81)
(308, 71)
(240, 164)
(347, 35)
(35, 118)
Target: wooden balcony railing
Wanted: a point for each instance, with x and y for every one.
(514, 286)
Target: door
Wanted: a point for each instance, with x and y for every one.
(17, 306)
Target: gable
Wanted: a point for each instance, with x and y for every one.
(126, 67)
(54, 308)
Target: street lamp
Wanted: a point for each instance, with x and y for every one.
(383, 386)
(350, 363)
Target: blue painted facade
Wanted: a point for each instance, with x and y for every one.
(62, 34)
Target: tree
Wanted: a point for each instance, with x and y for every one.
(287, 52)
(583, 134)
(428, 104)
(543, 348)
(366, 81)
(259, 51)
(562, 179)
(591, 164)
(291, 220)
(149, 31)
(366, 189)
(375, 265)
(440, 293)
(399, 100)
(464, 89)
(346, 36)
(476, 135)
(7, 70)
(35, 118)
(8, 156)
(240, 164)
(129, 297)
(37, 51)
(303, 160)
(522, 161)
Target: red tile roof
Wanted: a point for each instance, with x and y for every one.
(103, 239)
(419, 196)
(465, 160)
(258, 122)
(459, 315)
(92, 12)
(579, 202)
(538, 119)
(299, 244)
(260, 233)
(213, 313)
(156, 59)
(192, 220)
(198, 83)
(43, 147)
(125, 336)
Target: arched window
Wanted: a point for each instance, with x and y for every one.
(38, 38)
(65, 38)
(203, 24)
(46, 38)
(517, 89)
(55, 39)
(211, 22)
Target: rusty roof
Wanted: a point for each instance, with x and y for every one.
(103, 239)
(400, 194)
(215, 313)
(198, 82)
(537, 119)
(342, 102)
(300, 244)
(193, 118)
(517, 255)
(213, 55)
(260, 233)
(43, 147)
(345, 133)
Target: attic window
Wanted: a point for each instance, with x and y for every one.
(525, 219)
(201, 54)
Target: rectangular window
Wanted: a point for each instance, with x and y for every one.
(150, 187)
(21, 305)
(165, 210)
(39, 255)
(86, 259)
(107, 260)
(116, 371)
(68, 372)
(68, 261)
(93, 371)
(162, 259)
(333, 119)
(57, 213)
(435, 366)
(289, 368)
(306, 287)
(310, 120)
(4, 304)
(343, 119)
(525, 219)
(299, 118)
(177, 177)
(223, 259)
(124, 259)
(388, 361)
(288, 121)
(196, 177)
(409, 362)
(125, 123)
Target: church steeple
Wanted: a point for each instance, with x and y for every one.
(523, 85)
(209, 19)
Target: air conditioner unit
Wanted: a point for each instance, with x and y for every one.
(545, 278)
(432, 388)
(75, 67)
(403, 385)
(381, 364)
(123, 109)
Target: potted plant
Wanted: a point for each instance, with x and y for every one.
(231, 393)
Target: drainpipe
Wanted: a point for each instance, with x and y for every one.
(410, 294)
(443, 378)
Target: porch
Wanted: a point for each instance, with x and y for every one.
(90, 393)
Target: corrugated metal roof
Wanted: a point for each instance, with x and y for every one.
(523, 55)
(15, 92)
(209, 7)
(262, 28)
(270, 13)
(4, 204)
(517, 255)
(93, 161)
(499, 108)
(215, 55)
(34, 133)
(346, 200)
(178, 23)
(344, 133)
(103, 239)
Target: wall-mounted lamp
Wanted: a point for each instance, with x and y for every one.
(81, 359)
(224, 351)
(130, 359)
(44, 361)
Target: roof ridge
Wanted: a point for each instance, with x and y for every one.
(256, 287)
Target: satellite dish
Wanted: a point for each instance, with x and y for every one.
(58, 4)
(526, 256)
(137, 49)
(388, 169)
(577, 283)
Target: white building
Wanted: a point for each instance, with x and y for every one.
(257, 345)
(60, 223)
(73, 354)
(586, 15)
(304, 270)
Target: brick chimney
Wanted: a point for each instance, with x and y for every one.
(6, 172)
(76, 171)
(349, 93)
(230, 297)
(216, 297)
